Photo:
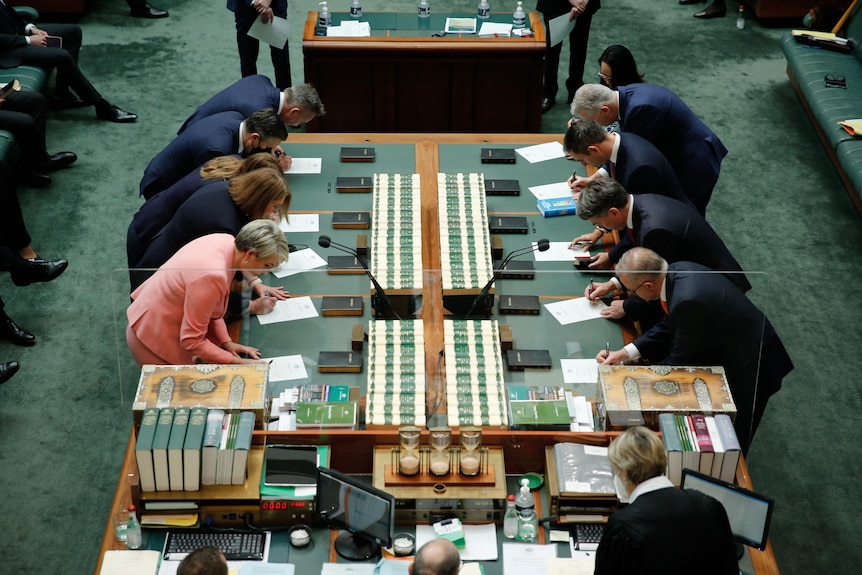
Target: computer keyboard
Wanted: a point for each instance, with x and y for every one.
(588, 535)
(234, 546)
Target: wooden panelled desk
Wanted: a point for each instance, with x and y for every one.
(402, 79)
(427, 155)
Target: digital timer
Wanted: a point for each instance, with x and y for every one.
(282, 505)
(286, 511)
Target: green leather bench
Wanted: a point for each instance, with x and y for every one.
(807, 68)
(32, 79)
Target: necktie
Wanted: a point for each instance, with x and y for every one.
(613, 167)
(664, 306)
(631, 234)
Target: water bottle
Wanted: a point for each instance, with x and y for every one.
(519, 19)
(510, 519)
(324, 18)
(134, 537)
(525, 499)
(484, 10)
(424, 9)
(740, 18)
(528, 526)
(356, 9)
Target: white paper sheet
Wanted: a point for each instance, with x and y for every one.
(286, 368)
(274, 33)
(560, 27)
(289, 310)
(481, 541)
(542, 152)
(551, 191)
(557, 252)
(580, 370)
(305, 166)
(300, 261)
(527, 558)
(350, 29)
(300, 223)
(575, 310)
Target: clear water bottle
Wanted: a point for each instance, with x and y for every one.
(484, 10)
(519, 19)
(740, 18)
(424, 9)
(134, 537)
(324, 18)
(510, 519)
(525, 499)
(356, 9)
(528, 526)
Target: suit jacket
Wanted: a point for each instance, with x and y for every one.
(692, 149)
(550, 9)
(642, 169)
(217, 136)
(245, 96)
(179, 312)
(668, 532)
(12, 36)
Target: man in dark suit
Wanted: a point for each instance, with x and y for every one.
(709, 321)
(582, 11)
(218, 135)
(295, 106)
(659, 116)
(625, 157)
(245, 13)
(24, 114)
(24, 43)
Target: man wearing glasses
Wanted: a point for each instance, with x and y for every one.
(708, 321)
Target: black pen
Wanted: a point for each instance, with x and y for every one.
(591, 285)
(607, 350)
(328, 187)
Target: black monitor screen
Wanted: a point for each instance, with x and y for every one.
(749, 513)
(367, 513)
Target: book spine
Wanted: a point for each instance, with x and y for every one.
(669, 432)
(242, 444)
(175, 448)
(192, 448)
(160, 448)
(701, 432)
(144, 449)
(209, 451)
(731, 445)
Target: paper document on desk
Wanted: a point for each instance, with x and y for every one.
(299, 261)
(556, 252)
(551, 191)
(124, 562)
(274, 33)
(305, 166)
(480, 540)
(574, 370)
(290, 310)
(348, 569)
(300, 223)
(575, 310)
(349, 29)
(261, 568)
(542, 152)
(287, 367)
(521, 558)
(581, 565)
(560, 27)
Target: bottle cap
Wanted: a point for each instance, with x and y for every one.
(510, 498)
(131, 508)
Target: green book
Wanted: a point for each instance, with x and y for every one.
(160, 448)
(326, 414)
(176, 442)
(144, 449)
(241, 445)
(192, 448)
(209, 450)
(540, 414)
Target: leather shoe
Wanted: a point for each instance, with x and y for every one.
(114, 114)
(10, 331)
(59, 161)
(38, 271)
(547, 104)
(149, 12)
(8, 369)
(66, 101)
(711, 12)
(34, 180)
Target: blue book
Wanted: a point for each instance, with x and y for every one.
(557, 207)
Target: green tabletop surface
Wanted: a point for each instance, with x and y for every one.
(410, 24)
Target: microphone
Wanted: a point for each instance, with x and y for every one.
(542, 245)
(379, 296)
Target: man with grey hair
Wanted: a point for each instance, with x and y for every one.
(437, 557)
(659, 116)
(709, 322)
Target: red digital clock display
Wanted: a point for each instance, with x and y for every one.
(281, 505)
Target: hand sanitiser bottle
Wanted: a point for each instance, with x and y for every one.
(134, 537)
(424, 9)
(519, 19)
(324, 18)
(356, 9)
(484, 10)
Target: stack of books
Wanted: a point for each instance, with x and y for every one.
(283, 411)
(551, 408)
(703, 443)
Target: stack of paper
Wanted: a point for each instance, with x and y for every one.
(495, 30)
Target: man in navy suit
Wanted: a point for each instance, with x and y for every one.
(219, 135)
(295, 106)
(659, 116)
(24, 43)
(709, 321)
(245, 13)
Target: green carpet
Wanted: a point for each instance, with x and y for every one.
(779, 205)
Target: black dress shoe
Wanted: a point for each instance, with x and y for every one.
(34, 180)
(8, 369)
(149, 12)
(38, 270)
(66, 101)
(547, 104)
(711, 11)
(10, 331)
(59, 161)
(111, 113)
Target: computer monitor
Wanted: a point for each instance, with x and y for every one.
(365, 513)
(749, 512)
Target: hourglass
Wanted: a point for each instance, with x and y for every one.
(408, 461)
(440, 440)
(471, 440)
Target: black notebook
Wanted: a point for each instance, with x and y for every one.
(498, 155)
(357, 154)
(502, 188)
(351, 220)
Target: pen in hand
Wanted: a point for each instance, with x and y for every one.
(607, 350)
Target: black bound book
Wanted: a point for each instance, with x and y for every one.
(354, 184)
(498, 155)
(339, 265)
(502, 188)
(342, 305)
(357, 154)
(521, 359)
(515, 270)
(339, 362)
(353, 220)
(518, 304)
(508, 224)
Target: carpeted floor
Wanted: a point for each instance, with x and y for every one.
(779, 206)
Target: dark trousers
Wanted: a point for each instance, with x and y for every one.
(23, 114)
(249, 47)
(64, 59)
(13, 232)
(579, 37)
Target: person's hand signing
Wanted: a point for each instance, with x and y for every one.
(617, 357)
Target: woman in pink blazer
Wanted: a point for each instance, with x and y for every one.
(177, 315)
